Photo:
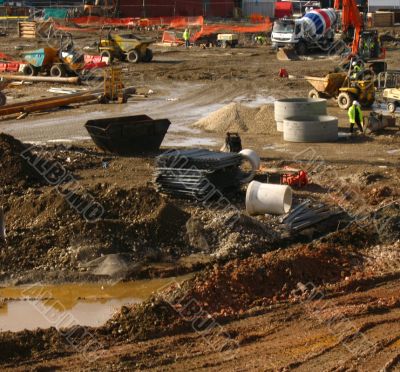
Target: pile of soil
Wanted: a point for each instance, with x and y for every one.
(240, 284)
(14, 169)
(232, 234)
(47, 235)
(237, 117)
(51, 235)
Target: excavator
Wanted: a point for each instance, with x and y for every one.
(365, 43)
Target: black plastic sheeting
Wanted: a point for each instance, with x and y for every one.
(196, 172)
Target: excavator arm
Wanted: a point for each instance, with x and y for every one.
(351, 17)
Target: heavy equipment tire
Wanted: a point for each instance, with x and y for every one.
(313, 93)
(133, 56)
(391, 107)
(3, 99)
(107, 53)
(30, 70)
(148, 56)
(57, 71)
(301, 48)
(344, 100)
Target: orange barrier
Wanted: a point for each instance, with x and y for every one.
(94, 20)
(214, 29)
(170, 37)
(57, 26)
(173, 22)
(257, 18)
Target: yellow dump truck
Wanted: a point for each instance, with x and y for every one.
(345, 90)
(128, 47)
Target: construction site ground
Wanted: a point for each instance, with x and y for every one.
(325, 300)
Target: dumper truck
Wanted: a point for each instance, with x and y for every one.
(315, 30)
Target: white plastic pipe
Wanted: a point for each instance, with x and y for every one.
(268, 198)
(252, 157)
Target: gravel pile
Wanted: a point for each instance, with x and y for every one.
(237, 117)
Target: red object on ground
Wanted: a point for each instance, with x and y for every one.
(299, 179)
(91, 65)
(283, 73)
(283, 9)
(92, 59)
(9, 66)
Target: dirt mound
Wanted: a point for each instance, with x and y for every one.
(231, 234)
(239, 285)
(14, 169)
(236, 117)
(51, 235)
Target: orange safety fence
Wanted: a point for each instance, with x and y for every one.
(170, 37)
(95, 20)
(213, 29)
(257, 18)
(173, 22)
(57, 26)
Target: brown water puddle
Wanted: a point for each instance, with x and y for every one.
(91, 304)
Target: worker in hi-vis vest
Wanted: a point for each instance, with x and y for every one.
(186, 37)
(355, 116)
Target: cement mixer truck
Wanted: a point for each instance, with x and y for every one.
(315, 30)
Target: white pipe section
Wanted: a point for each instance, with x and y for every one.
(268, 198)
(252, 157)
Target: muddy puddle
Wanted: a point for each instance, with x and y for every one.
(90, 304)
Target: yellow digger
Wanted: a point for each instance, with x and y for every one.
(343, 88)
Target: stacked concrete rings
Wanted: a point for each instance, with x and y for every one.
(289, 107)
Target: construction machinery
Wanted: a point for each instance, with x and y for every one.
(57, 62)
(315, 30)
(128, 47)
(227, 40)
(392, 98)
(345, 90)
(365, 42)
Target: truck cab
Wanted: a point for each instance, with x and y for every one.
(286, 32)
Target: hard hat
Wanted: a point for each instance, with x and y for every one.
(354, 63)
(355, 103)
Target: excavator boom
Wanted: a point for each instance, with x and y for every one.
(351, 17)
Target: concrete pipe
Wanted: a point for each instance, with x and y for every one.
(254, 160)
(262, 198)
(310, 129)
(289, 107)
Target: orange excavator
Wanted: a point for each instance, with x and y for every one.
(352, 20)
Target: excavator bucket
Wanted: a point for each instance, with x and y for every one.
(287, 54)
